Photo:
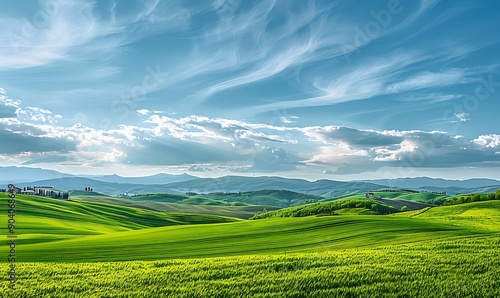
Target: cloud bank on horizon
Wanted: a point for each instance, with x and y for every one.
(311, 89)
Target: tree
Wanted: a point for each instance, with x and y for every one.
(497, 195)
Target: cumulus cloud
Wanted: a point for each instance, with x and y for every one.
(411, 149)
(7, 111)
(201, 143)
(360, 138)
(8, 107)
(16, 143)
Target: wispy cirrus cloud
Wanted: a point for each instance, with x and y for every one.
(430, 80)
(68, 30)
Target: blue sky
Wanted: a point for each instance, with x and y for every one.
(310, 89)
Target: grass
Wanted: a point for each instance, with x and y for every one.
(465, 267)
(400, 195)
(242, 212)
(277, 198)
(480, 215)
(449, 251)
(269, 236)
(40, 219)
(370, 206)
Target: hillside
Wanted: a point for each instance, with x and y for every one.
(426, 182)
(399, 203)
(399, 199)
(40, 219)
(274, 235)
(481, 215)
(354, 206)
(269, 236)
(234, 184)
(226, 210)
(449, 267)
(228, 184)
(279, 198)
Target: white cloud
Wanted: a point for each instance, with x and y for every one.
(248, 147)
(488, 141)
(71, 28)
(143, 112)
(425, 80)
(289, 120)
(463, 117)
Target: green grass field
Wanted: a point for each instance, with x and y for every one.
(40, 219)
(399, 195)
(460, 267)
(225, 210)
(100, 250)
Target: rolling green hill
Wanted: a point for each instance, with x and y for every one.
(480, 215)
(242, 212)
(278, 198)
(269, 236)
(179, 199)
(40, 219)
(247, 237)
(459, 267)
(410, 196)
(423, 197)
(398, 199)
(454, 248)
(355, 206)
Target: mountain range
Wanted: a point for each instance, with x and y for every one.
(175, 184)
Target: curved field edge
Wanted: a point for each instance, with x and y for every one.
(40, 219)
(483, 215)
(269, 236)
(464, 267)
(241, 212)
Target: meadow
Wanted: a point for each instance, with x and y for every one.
(101, 250)
(461, 267)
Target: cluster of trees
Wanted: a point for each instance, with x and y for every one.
(57, 195)
(328, 208)
(89, 189)
(473, 198)
(44, 192)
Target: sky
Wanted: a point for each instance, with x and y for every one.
(336, 90)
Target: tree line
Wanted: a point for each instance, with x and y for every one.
(473, 198)
(328, 208)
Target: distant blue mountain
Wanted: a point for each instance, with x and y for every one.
(425, 182)
(175, 184)
(154, 179)
(25, 174)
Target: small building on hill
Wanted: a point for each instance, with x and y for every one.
(371, 195)
(28, 192)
